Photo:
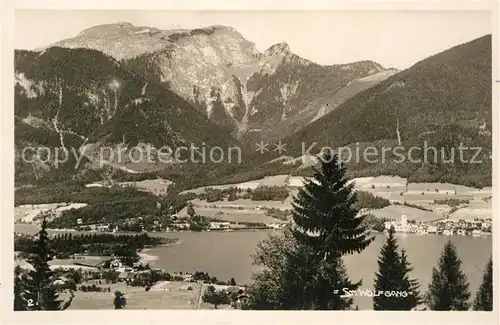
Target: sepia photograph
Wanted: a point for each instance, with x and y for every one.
(253, 160)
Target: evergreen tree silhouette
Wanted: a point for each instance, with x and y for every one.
(393, 276)
(19, 301)
(484, 296)
(327, 221)
(389, 276)
(449, 289)
(41, 293)
(304, 267)
(408, 285)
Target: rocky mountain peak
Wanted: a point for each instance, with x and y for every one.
(280, 49)
(253, 88)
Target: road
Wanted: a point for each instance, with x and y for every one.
(200, 295)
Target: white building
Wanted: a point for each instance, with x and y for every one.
(404, 221)
(476, 232)
(220, 225)
(103, 228)
(431, 229)
(273, 225)
(115, 263)
(401, 226)
(60, 281)
(447, 232)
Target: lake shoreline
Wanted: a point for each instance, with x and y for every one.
(146, 258)
(229, 255)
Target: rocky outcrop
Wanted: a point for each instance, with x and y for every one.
(271, 93)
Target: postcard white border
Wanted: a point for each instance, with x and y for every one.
(223, 317)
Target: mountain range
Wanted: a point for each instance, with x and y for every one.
(252, 94)
(121, 85)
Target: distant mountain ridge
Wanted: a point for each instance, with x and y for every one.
(81, 98)
(443, 100)
(251, 94)
(210, 85)
(453, 86)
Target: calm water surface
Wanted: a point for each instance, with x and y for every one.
(228, 254)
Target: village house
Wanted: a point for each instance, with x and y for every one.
(219, 225)
(447, 232)
(401, 226)
(116, 263)
(273, 225)
(477, 232)
(79, 256)
(181, 225)
(103, 228)
(61, 280)
(122, 276)
(432, 229)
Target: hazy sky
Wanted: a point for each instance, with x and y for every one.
(393, 39)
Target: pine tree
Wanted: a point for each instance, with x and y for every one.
(449, 289)
(393, 275)
(304, 267)
(41, 293)
(484, 296)
(332, 280)
(326, 214)
(19, 301)
(389, 276)
(327, 221)
(410, 286)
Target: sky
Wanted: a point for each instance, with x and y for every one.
(393, 39)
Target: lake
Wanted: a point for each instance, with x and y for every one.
(228, 254)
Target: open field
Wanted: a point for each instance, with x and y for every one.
(395, 212)
(379, 182)
(474, 209)
(242, 203)
(234, 215)
(157, 186)
(296, 181)
(241, 210)
(26, 213)
(171, 295)
(395, 189)
(55, 264)
(278, 180)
